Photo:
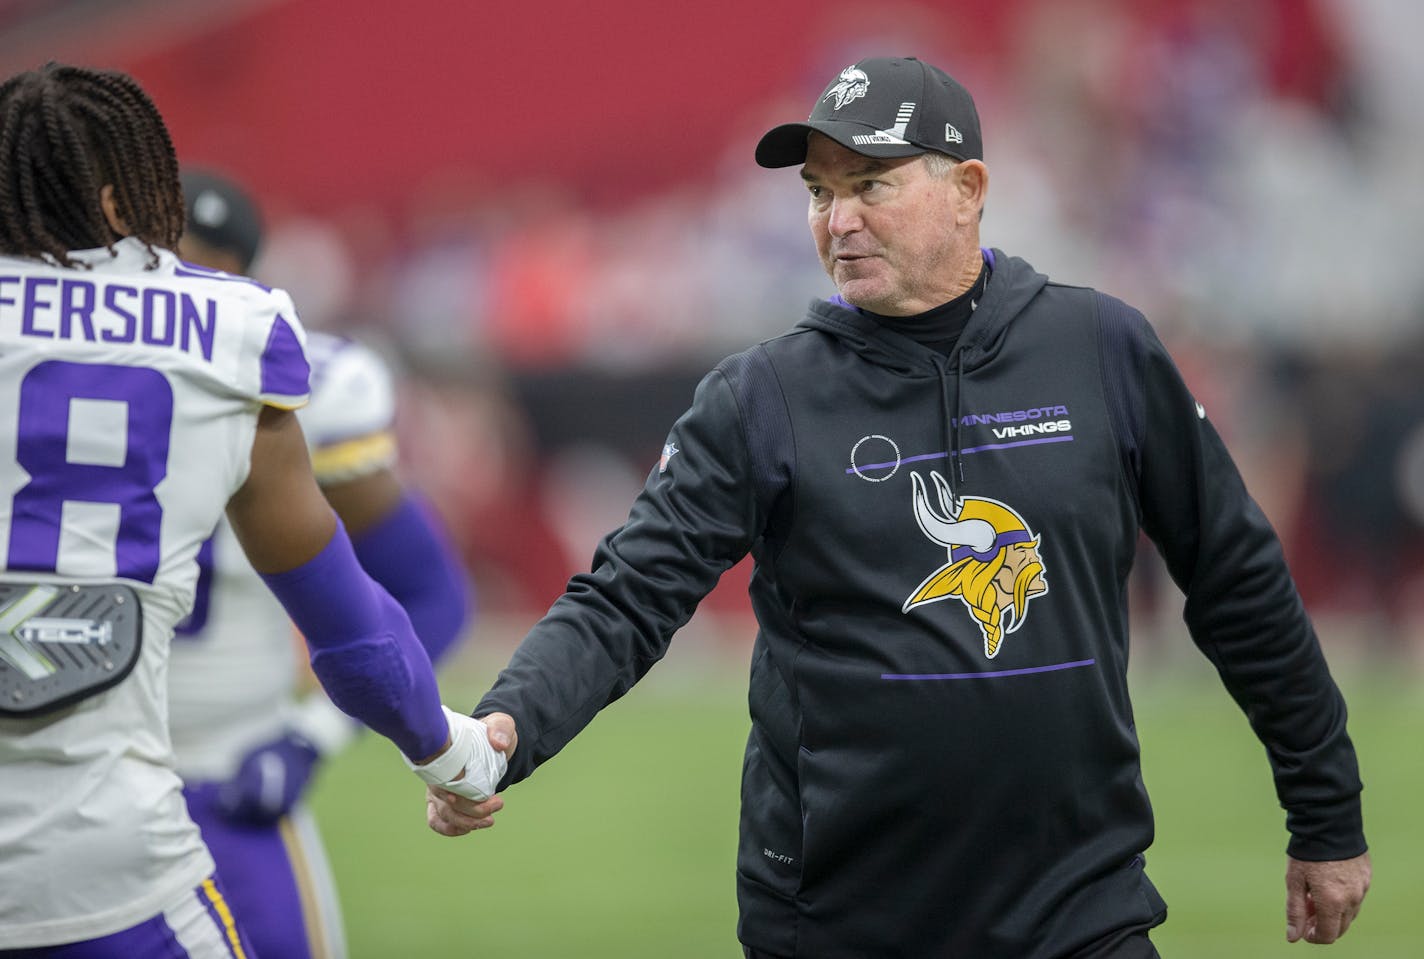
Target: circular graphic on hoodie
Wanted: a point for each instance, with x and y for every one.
(875, 458)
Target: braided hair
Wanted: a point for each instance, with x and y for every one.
(67, 132)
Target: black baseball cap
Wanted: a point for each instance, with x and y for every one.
(222, 214)
(884, 107)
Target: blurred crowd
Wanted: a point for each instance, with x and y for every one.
(1245, 173)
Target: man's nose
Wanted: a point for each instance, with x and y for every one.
(845, 217)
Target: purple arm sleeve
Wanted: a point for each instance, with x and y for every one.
(407, 553)
(363, 648)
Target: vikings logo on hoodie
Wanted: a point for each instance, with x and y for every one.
(993, 565)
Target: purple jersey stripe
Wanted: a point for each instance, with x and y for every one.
(285, 371)
(208, 273)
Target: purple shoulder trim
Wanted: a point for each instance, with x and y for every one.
(285, 371)
(208, 273)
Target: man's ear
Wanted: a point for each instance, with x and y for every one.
(971, 179)
(111, 210)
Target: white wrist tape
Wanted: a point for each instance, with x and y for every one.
(471, 767)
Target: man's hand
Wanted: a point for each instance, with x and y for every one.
(1323, 898)
(474, 759)
(269, 781)
(450, 814)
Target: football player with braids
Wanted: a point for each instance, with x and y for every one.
(247, 742)
(140, 399)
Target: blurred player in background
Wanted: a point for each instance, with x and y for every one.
(139, 399)
(246, 738)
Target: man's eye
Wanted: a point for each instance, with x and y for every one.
(815, 191)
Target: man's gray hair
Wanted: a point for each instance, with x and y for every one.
(939, 164)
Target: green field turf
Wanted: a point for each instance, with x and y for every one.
(623, 846)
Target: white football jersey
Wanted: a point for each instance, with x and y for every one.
(129, 400)
(235, 661)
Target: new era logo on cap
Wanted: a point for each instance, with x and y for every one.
(884, 107)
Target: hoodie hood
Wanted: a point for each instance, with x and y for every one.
(1013, 284)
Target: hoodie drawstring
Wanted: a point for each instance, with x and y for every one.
(953, 413)
(958, 452)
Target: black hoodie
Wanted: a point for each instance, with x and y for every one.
(942, 761)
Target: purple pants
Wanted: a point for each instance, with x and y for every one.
(269, 880)
(198, 926)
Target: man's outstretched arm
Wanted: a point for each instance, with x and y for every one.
(363, 648)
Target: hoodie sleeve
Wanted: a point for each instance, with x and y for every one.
(1242, 606)
(694, 519)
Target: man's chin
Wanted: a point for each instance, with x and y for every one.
(863, 294)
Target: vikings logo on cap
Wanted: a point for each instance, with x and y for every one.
(850, 85)
(993, 565)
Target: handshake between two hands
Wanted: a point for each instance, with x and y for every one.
(461, 781)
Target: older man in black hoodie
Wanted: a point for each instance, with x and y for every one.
(942, 474)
